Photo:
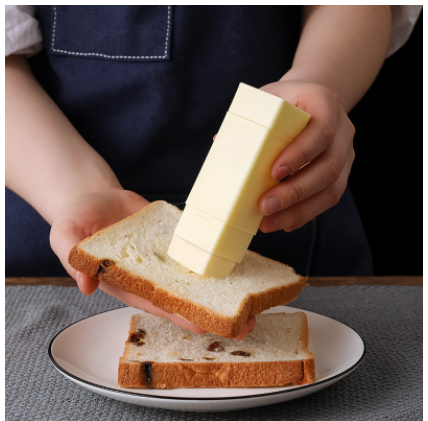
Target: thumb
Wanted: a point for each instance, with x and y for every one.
(63, 237)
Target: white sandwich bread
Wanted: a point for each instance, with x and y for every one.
(132, 255)
(160, 354)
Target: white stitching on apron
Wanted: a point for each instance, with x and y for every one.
(106, 55)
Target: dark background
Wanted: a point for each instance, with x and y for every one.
(386, 179)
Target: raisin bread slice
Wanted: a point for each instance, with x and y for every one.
(132, 255)
(160, 354)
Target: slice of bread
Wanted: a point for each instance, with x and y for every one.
(160, 354)
(132, 255)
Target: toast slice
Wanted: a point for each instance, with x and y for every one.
(160, 354)
(132, 255)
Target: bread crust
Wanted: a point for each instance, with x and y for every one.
(133, 374)
(168, 375)
(199, 315)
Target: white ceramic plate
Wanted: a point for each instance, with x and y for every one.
(87, 353)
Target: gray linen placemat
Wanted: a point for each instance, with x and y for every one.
(386, 386)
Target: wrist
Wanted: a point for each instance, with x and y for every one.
(299, 74)
(305, 75)
(81, 189)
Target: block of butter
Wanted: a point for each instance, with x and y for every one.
(222, 214)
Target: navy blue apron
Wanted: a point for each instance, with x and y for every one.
(148, 87)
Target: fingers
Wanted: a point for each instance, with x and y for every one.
(324, 171)
(134, 301)
(304, 211)
(316, 138)
(86, 284)
(63, 237)
(184, 323)
(247, 328)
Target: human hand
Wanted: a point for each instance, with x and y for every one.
(82, 214)
(318, 161)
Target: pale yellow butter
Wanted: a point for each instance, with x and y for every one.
(212, 235)
(269, 111)
(198, 260)
(236, 173)
(222, 214)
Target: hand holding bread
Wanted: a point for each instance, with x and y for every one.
(82, 213)
(132, 255)
(85, 212)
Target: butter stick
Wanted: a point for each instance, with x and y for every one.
(222, 214)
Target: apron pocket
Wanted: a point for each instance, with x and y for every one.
(121, 33)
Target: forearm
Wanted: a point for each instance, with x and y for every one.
(46, 158)
(342, 48)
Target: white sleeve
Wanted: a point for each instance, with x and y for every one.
(23, 35)
(403, 21)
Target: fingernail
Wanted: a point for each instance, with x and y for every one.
(296, 227)
(78, 278)
(271, 224)
(271, 205)
(281, 172)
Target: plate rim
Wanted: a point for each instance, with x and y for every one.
(125, 392)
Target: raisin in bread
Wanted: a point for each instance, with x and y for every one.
(132, 255)
(160, 354)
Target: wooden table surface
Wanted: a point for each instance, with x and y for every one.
(313, 281)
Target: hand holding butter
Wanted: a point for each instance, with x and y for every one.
(319, 160)
(222, 214)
